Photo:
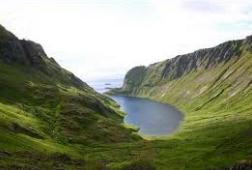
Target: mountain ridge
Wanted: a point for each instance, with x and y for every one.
(213, 89)
(49, 114)
(180, 65)
(31, 54)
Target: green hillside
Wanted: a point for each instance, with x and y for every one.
(50, 119)
(213, 88)
(48, 114)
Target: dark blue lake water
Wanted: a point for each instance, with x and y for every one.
(152, 118)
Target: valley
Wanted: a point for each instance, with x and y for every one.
(51, 117)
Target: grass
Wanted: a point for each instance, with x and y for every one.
(43, 116)
(216, 131)
(50, 118)
(212, 137)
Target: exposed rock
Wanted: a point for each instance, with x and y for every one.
(11, 50)
(134, 77)
(248, 42)
(201, 59)
(32, 56)
(34, 53)
(54, 61)
(182, 64)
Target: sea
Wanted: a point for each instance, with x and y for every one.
(103, 85)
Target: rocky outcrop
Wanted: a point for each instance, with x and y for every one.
(171, 69)
(11, 49)
(201, 59)
(31, 55)
(248, 42)
(34, 53)
(134, 78)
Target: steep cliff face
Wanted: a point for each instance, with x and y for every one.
(213, 88)
(23, 52)
(10, 47)
(185, 77)
(201, 59)
(31, 55)
(134, 78)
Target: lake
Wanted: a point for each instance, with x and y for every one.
(152, 118)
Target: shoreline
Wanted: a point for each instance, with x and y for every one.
(136, 129)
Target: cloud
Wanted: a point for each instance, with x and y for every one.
(95, 38)
(203, 6)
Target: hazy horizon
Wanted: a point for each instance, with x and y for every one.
(97, 39)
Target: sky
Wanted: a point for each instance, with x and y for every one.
(98, 39)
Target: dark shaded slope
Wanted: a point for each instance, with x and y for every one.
(46, 109)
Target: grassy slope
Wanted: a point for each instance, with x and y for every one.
(48, 120)
(43, 118)
(217, 104)
(217, 128)
(48, 116)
